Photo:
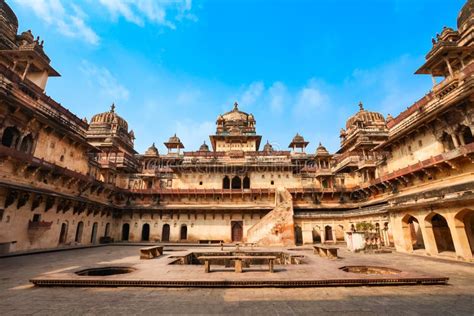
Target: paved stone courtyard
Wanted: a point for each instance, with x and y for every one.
(18, 296)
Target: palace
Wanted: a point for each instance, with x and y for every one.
(65, 181)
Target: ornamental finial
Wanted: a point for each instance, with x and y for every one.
(236, 106)
(112, 108)
(361, 106)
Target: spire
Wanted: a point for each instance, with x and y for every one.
(361, 106)
(112, 108)
(236, 106)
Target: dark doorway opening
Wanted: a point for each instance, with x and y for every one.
(184, 232)
(165, 235)
(237, 231)
(125, 231)
(146, 232)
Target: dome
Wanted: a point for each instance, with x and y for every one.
(298, 138)
(366, 117)
(466, 13)
(236, 114)
(109, 118)
(321, 151)
(268, 147)
(8, 23)
(174, 139)
(204, 147)
(152, 151)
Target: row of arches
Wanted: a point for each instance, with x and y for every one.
(435, 226)
(145, 235)
(236, 183)
(13, 138)
(78, 237)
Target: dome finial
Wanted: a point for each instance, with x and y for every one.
(112, 108)
(361, 106)
(236, 106)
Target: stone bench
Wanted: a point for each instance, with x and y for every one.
(326, 252)
(237, 260)
(151, 252)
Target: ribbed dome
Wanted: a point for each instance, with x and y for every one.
(268, 147)
(466, 13)
(298, 138)
(366, 117)
(237, 115)
(321, 151)
(110, 117)
(204, 147)
(174, 139)
(152, 151)
(8, 24)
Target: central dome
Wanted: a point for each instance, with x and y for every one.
(365, 118)
(235, 122)
(466, 13)
(236, 115)
(8, 24)
(110, 117)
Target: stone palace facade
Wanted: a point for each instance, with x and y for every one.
(66, 181)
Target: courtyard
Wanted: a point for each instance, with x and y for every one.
(19, 297)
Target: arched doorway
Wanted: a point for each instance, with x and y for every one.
(467, 135)
(80, 227)
(328, 233)
(466, 217)
(237, 231)
(298, 235)
(26, 144)
(316, 236)
(441, 231)
(184, 232)
(94, 233)
(146, 232)
(246, 182)
(125, 231)
(63, 234)
(107, 230)
(226, 183)
(165, 234)
(236, 183)
(412, 233)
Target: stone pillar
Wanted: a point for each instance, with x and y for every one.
(428, 237)
(449, 67)
(460, 240)
(455, 140)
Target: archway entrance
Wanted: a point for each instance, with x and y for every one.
(236, 183)
(467, 219)
(165, 234)
(442, 233)
(63, 234)
(80, 227)
(146, 232)
(328, 233)
(94, 233)
(316, 236)
(412, 233)
(107, 230)
(237, 231)
(125, 231)
(298, 235)
(184, 232)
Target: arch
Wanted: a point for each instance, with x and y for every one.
(246, 182)
(10, 137)
(447, 141)
(237, 231)
(316, 236)
(466, 135)
(328, 233)
(80, 228)
(125, 231)
(26, 145)
(146, 232)
(226, 183)
(298, 235)
(412, 233)
(441, 232)
(63, 234)
(94, 233)
(236, 183)
(107, 230)
(184, 232)
(165, 233)
(466, 218)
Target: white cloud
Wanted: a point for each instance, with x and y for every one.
(108, 85)
(278, 97)
(69, 22)
(252, 93)
(310, 99)
(154, 11)
(192, 133)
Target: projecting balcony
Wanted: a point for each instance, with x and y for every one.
(41, 225)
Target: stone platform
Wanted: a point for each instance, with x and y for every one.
(314, 271)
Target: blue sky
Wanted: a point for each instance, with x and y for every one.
(171, 66)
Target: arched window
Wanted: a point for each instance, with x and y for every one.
(226, 183)
(467, 136)
(63, 234)
(80, 227)
(236, 183)
(27, 144)
(107, 230)
(165, 234)
(184, 232)
(246, 182)
(94, 233)
(125, 231)
(328, 233)
(146, 232)
(10, 137)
